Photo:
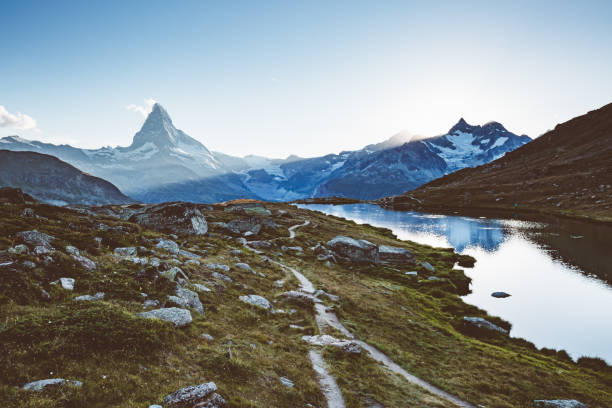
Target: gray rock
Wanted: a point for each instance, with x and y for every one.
(89, 298)
(41, 385)
(286, 382)
(348, 346)
(218, 267)
(294, 249)
(300, 296)
(179, 317)
(126, 251)
(177, 218)
(67, 283)
(481, 323)
(36, 238)
(168, 245)
(72, 250)
(18, 249)
(201, 288)
(42, 250)
(221, 276)
(28, 212)
(207, 337)
(333, 298)
(244, 267)
(359, 251)
(173, 272)
(428, 266)
(257, 301)
(236, 252)
(192, 262)
(412, 274)
(558, 404)
(394, 255)
(85, 262)
(190, 396)
(155, 406)
(245, 226)
(150, 303)
(500, 295)
(191, 298)
(260, 244)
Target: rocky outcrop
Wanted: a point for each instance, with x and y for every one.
(174, 315)
(173, 218)
(36, 239)
(353, 250)
(187, 298)
(201, 396)
(395, 255)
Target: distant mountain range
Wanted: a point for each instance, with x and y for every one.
(567, 170)
(164, 163)
(51, 180)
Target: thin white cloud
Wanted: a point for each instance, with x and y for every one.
(143, 110)
(19, 121)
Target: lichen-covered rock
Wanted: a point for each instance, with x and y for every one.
(256, 300)
(36, 238)
(300, 296)
(195, 396)
(359, 251)
(42, 385)
(218, 267)
(85, 262)
(173, 272)
(89, 298)
(245, 226)
(168, 245)
(126, 251)
(18, 249)
(67, 283)
(191, 298)
(348, 346)
(177, 218)
(558, 404)
(174, 315)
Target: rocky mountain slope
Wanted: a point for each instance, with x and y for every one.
(51, 180)
(252, 304)
(163, 163)
(565, 171)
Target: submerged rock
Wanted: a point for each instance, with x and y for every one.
(481, 323)
(500, 294)
(174, 315)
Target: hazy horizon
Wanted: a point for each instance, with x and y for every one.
(274, 79)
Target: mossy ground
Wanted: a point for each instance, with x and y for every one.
(126, 361)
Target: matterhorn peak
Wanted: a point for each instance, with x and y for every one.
(157, 129)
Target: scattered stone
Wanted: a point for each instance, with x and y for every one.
(348, 346)
(360, 251)
(296, 327)
(500, 294)
(218, 267)
(28, 212)
(558, 404)
(67, 283)
(333, 298)
(72, 250)
(29, 264)
(260, 244)
(221, 276)
(150, 303)
(394, 255)
(192, 262)
(257, 301)
(45, 295)
(244, 267)
(173, 272)
(236, 252)
(300, 296)
(201, 288)
(89, 298)
(18, 249)
(85, 262)
(41, 250)
(207, 337)
(481, 323)
(126, 251)
(294, 249)
(177, 218)
(190, 298)
(428, 266)
(179, 317)
(412, 274)
(286, 382)
(41, 385)
(195, 395)
(168, 245)
(279, 283)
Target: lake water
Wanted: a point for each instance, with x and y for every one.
(558, 271)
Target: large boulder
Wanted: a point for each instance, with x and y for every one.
(173, 218)
(394, 255)
(245, 226)
(36, 238)
(558, 404)
(174, 315)
(349, 249)
(202, 395)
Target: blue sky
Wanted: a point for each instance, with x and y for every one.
(308, 78)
